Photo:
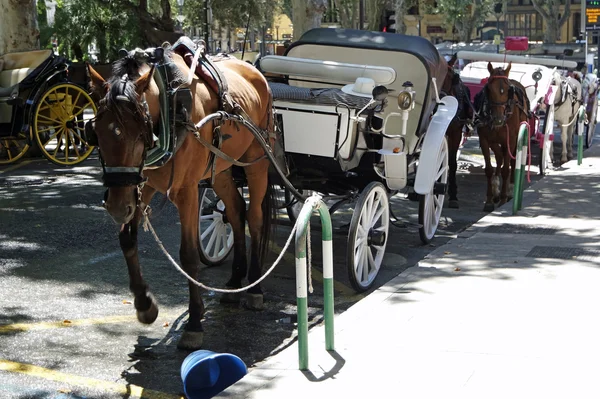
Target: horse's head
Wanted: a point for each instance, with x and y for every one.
(123, 132)
(500, 92)
(452, 77)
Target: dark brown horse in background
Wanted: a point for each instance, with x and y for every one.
(501, 106)
(453, 86)
(123, 127)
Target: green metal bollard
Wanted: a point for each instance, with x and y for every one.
(520, 163)
(302, 276)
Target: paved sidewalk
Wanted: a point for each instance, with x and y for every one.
(509, 309)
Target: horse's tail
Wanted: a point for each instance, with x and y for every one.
(269, 208)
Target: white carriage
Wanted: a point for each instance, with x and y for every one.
(361, 119)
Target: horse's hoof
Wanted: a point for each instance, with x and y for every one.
(495, 200)
(149, 315)
(488, 207)
(229, 297)
(453, 204)
(191, 340)
(254, 301)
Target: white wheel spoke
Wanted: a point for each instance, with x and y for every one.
(218, 234)
(211, 241)
(378, 215)
(207, 217)
(371, 260)
(210, 228)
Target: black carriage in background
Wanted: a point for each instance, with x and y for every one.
(40, 103)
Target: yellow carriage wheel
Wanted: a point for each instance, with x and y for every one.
(13, 148)
(59, 121)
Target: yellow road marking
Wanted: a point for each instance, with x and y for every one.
(53, 375)
(18, 165)
(47, 325)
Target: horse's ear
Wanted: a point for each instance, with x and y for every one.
(490, 68)
(143, 82)
(97, 82)
(507, 70)
(452, 60)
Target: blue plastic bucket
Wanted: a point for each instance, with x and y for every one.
(205, 373)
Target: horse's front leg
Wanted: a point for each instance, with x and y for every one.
(186, 200)
(235, 210)
(505, 172)
(499, 156)
(144, 302)
(489, 172)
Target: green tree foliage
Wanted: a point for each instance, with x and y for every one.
(464, 15)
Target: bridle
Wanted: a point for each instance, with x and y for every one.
(122, 176)
(457, 89)
(507, 105)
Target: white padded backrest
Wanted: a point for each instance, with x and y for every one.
(11, 77)
(408, 67)
(26, 59)
(335, 71)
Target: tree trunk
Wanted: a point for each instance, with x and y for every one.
(308, 15)
(400, 10)
(19, 28)
(374, 12)
(550, 10)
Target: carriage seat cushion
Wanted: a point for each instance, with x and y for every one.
(16, 66)
(321, 96)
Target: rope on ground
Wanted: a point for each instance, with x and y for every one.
(148, 227)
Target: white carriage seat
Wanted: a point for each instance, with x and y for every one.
(17, 66)
(316, 96)
(329, 71)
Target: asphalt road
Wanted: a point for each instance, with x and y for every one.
(67, 324)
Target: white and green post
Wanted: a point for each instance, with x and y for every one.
(520, 163)
(311, 204)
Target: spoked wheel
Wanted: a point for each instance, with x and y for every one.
(591, 126)
(430, 204)
(58, 123)
(368, 236)
(216, 235)
(547, 148)
(12, 149)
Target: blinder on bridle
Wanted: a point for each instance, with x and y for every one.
(122, 176)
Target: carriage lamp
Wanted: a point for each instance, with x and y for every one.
(537, 75)
(405, 100)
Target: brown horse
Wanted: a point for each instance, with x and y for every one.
(453, 86)
(501, 106)
(124, 130)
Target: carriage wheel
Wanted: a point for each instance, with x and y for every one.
(368, 236)
(215, 233)
(430, 204)
(58, 123)
(591, 126)
(12, 149)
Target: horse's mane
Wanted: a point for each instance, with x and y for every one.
(125, 71)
